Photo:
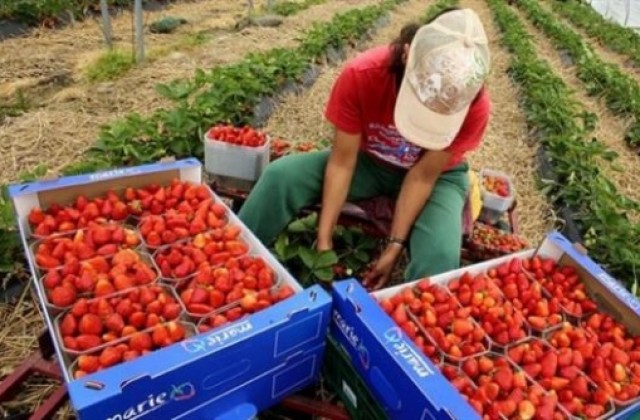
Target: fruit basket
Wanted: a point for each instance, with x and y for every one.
(96, 277)
(131, 347)
(488, 242)
(498, 195)
(91, 324)
(236, 152)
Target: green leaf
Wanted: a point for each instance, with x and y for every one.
(308, 256)
(366, 243)
(349, 237)
(324, 274)
(362, 256)
(311, 221)
(281, 245)
(326, 259)
(298, 226)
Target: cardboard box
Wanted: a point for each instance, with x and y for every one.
(405, 379)
(207, 375)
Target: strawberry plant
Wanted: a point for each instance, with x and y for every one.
(288, 7)
(51, 12)
(620, 91)
(564, 131)
(616, 37)
(295, 248)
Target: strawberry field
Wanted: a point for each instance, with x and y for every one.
(565, 87)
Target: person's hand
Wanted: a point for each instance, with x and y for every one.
(380, 274)
(324, 244)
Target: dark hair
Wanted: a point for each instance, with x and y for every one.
(407, 33)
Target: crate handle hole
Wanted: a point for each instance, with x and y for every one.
(313, 296)
(95, 385)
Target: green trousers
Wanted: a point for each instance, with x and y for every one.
(293, 182)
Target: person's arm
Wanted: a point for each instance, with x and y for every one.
(415, 191)
(337, 180)
(343, 111)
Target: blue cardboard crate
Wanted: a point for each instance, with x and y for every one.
(230, 372)
(241, 368)
(405, 380)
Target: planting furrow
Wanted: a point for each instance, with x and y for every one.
(624, 169)
(60, 133)
(620, 92)
(625, 42)
(571, 160)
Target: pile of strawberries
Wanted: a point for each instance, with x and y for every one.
(133, 346)
(496, 185)
(97, 276)
(127, 273)
(241, 136)
(486, 242)
(523, 340)
(90, 323)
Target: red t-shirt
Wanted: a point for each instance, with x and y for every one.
(363, 100)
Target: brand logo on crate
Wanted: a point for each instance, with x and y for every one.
(113, 174)
(352, 337)
(217, 338)
(393, 337)
(153, 402)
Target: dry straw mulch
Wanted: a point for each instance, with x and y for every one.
(22, 323)
(45, 52)
(70, 122)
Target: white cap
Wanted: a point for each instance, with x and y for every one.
(447, 65)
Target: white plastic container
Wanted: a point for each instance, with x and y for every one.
(235, 161)
(493, 205)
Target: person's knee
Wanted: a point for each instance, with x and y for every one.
(275, 171)
(434, 256)
(432, 261)
(295, 170)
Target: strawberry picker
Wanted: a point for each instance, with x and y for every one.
(405, 116)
